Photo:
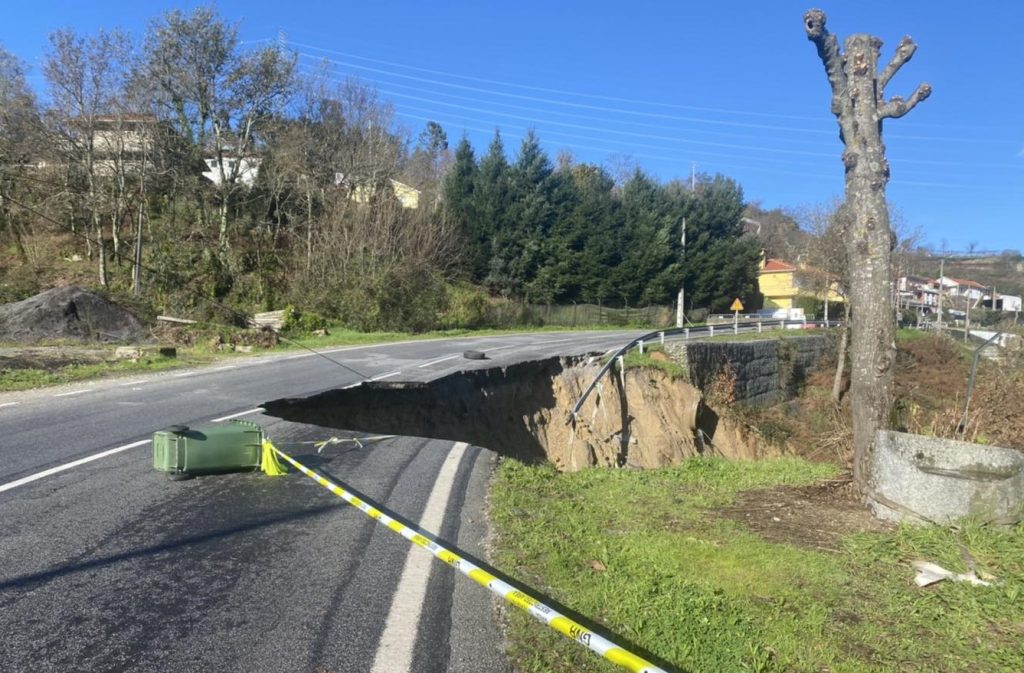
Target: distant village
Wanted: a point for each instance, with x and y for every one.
(784, 284)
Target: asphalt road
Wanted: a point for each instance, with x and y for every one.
(105, 565)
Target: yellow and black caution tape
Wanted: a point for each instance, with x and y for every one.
(522, 600)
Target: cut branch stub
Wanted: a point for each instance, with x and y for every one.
(814, 23)
(904, 52)
(896, 107)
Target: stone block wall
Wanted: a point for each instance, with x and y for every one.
(767, 371)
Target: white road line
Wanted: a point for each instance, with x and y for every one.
(75, 392)
(67, 466)
(9, 404)
(221, 369)
(501, 348)
(240, 413)
(394, 653)
(129, 383)
(384, 376)
(444, 359)
(182, 374)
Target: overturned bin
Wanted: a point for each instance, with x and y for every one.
(927, 479)
(184, 452)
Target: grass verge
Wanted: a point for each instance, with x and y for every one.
(649, 555)
(100, 363)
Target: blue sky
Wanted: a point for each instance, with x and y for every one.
(733, 87)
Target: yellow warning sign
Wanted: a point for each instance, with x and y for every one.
(737, 305)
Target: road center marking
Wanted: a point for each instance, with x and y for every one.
(394, 653)
(9, 404)
(67, 466)
(439, 360)
(240, 413)
(384, 376)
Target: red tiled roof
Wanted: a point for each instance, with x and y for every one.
(968, 283)
(773, 265)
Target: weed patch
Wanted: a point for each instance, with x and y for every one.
(668, 560)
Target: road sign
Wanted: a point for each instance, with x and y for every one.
(737, 305)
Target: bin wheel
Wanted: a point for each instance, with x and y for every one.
(176, 428)
(474, 355)
(179, 476)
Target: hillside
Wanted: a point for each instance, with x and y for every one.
(1004, 270)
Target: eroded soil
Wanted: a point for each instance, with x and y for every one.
(812, 517)
(52, 358)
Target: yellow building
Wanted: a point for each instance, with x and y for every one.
(781, 283)
(408, 196)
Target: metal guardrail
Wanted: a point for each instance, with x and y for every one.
(694, 333)
(970, 379)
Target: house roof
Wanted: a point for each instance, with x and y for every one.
(968, 283)
(776, 266)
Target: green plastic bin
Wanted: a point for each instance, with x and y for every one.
(207, 449)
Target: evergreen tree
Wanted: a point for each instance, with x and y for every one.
(720, 264)
(490, 204)
(459, 207)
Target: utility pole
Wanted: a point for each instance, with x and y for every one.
(967, 320)
(942, 288)
(693, 176)
(680, 315)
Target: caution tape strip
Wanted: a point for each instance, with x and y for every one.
(557, 621)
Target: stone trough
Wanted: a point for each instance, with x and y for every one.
(931, 480)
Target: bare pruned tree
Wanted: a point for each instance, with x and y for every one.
(860, 106)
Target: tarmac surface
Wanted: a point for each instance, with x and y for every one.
(106, 565)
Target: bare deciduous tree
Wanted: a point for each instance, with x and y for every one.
(20, 133)
(859, 104)
(215, 96)
(86, 77)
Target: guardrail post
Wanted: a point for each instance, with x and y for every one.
(640, 345)
(782, 324)
(686, 332)
(735, 328)
(758, 326)
(711, 330)
(622, 363)
(661, 336)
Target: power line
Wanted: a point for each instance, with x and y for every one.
(584, 106)
(597, 96)
(675, 139)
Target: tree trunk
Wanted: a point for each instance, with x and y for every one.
(137, 256)
(844, 341)
(858, 102)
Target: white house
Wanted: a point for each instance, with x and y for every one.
(1004, 302)
(917, 292)
(248, 169)
(959, 287)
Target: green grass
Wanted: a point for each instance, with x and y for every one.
(24, 379)
(202, 353)
(635, 359)
(645, 554)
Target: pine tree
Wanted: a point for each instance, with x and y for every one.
(459, 207)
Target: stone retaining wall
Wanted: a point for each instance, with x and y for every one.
(767, 371)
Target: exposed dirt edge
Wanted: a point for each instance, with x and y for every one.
(643, 419)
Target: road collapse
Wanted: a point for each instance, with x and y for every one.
(641, 419)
